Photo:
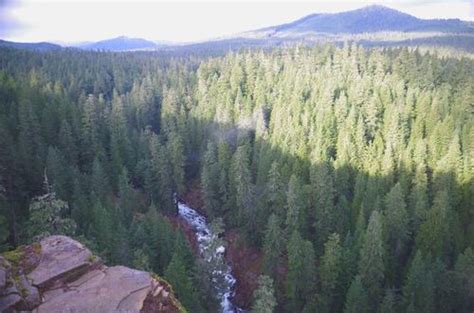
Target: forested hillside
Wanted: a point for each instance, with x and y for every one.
(84, 152)
(352, 170)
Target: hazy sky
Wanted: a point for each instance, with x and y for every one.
(192, 20)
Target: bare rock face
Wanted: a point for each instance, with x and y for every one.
(3, 275)
(60, 257)
(63, 276)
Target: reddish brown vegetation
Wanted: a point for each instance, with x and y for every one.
(188, 232)
(246, 263)
(193, 197)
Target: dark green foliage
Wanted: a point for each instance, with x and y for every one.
(361, 159)
(4, 233)
(275, 192)
(330, 272)
(371, 263)
(356, 299)
(434, 236)
(179, 277)
(295, 207)
(418, 290)
(127, 198)
(47, 216)
(325, 214)
(389, 302)
(180, 273)
(464, 271)
(210, 180)
(301, 273)
(396, 229)
(243, 183)
(141, 260)
(273, 246)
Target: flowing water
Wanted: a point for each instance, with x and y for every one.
(212, 251)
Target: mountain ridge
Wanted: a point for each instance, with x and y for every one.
(370, 19)
(37, 46)
(121, 43)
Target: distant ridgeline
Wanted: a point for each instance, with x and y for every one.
(370, 26)
(350, 170)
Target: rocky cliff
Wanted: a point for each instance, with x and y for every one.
(59, 274)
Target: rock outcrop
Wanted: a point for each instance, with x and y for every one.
(60, 275)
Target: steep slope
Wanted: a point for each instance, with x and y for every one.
(121, 43)
(60, 274)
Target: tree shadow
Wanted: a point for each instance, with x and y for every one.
(340, 198)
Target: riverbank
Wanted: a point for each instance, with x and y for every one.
(245, 261)
(212, 250)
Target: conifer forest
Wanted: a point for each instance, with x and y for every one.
(349, 169)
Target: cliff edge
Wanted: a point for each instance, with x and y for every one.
(59, 274)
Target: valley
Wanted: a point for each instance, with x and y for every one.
(321, 165)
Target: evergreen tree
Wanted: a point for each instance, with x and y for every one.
(396, 229)
(330, 271)
(209, 179)
(100, 187)
(272, 247)
(141, 260)
(224, 160)
(434, 236)
(127, 198)
(179, 277)
(326, 217)
(265, 301)
(419, 286)
(389, 302)
(59, 174)
(119, 141)
(295, 207)
(464, 270)
(102, 230)
(351, 130)
(47, 216)
(419, 196)
(183, 250)
(161, 179)
(275, 191)
(371, 263)
(67, 142)
(301, 270)
(178, 157)
(356, 299)
(242, 180)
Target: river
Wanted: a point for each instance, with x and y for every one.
(212, 250)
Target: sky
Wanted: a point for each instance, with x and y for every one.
(74, 21)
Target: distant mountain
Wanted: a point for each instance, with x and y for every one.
(370, 26)
(121, 43)
(370, 19)
(37, 46)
